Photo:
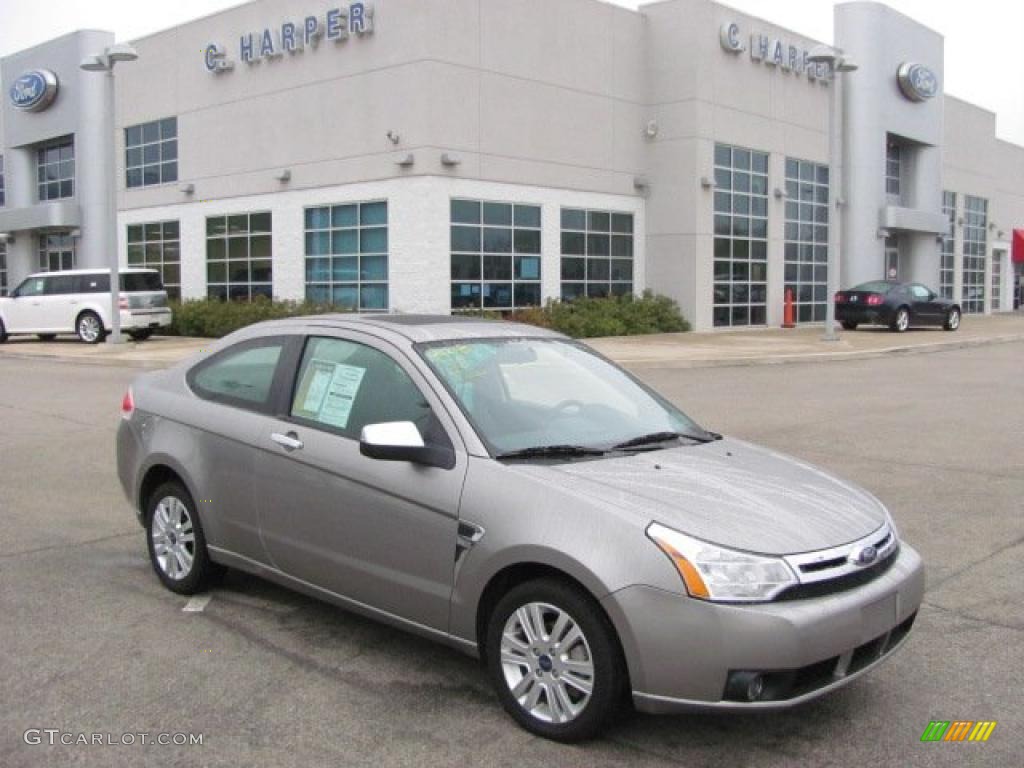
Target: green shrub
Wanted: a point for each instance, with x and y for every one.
(211, 318)
(581, 318)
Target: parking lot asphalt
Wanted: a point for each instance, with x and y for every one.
(91, 643)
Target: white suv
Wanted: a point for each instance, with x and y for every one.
(78, 301)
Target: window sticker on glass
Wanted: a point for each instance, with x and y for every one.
(329, 391)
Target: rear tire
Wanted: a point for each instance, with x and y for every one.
(89, 328)
(900, 321)
(141, 335)
(177, 545)
(547, 638)
(952, 320)
(3, 332)
(46, 336)
(849, 325)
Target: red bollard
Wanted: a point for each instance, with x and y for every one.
(788, 321)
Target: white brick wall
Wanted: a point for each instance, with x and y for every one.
(418, 232)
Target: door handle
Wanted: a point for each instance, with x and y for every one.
(289, 442)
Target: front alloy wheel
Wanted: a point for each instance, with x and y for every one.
(554, 660)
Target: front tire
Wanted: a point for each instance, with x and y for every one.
(952, 320)
(554, 660)
(177, 546)
(849, 325)
(900, 321)
(89, 328)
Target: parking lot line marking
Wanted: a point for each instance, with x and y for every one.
(196, 604)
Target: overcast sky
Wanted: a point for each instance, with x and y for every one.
(984, 61)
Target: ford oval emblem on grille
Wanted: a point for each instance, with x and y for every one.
(866, 556)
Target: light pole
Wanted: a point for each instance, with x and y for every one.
(837, 62)
(104, 62)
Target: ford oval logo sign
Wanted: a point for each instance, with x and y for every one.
(34, 91)
(865, 556)
(917, 82)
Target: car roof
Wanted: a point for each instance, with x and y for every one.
(94, 271)
(420, 328)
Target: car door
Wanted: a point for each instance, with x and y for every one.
(234, 396)
(56, 310)
(381, 533)
(924, 309)
(25, 308)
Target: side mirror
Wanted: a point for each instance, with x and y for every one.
(402, 441)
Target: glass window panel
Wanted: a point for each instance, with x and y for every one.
(465, 266)
(318, 243)
(466, 238)
(262, 271)
(497, 214)
(497, 268)
(497, 240)
(373, 297)
(259, 222)
(318, 270)
(373, 268)
(527, 216)
(318, 218)
(527, 241)
(598, 245)
(598, 221)
(373, 214)
(622, 222)
(574, 219)
(527, 268)
(573, 269)
(723, 155)
(622, 246)
(573, 243)
(345, 297)
(344, 241)
(150, 132)
(216, 272)
(373, 240)
(345, 269)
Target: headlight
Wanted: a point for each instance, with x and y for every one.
(715, 573)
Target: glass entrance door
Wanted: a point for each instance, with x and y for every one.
(56, 251)
(892, 258)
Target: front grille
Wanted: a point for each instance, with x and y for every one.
(840, 583)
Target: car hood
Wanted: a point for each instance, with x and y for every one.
(729, 492)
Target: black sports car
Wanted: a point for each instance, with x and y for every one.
(898, 305)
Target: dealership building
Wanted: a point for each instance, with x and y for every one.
(412, 156)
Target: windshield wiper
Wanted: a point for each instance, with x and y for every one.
(551, 451)
(664, 437)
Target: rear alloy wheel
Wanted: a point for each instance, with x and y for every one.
(952, 320)
(849, 325)
(177, 546)
(554, 659)
(901, 320)
(89, 328)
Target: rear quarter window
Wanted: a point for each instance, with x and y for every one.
(242, 375)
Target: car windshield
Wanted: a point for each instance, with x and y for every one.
(534, 393)
(875, 286)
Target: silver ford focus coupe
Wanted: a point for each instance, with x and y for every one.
(510, 492)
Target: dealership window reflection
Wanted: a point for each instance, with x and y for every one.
(238, 256)
(597, 253)
(806, 230)
(975, 252)
(947, 263)
(157, 245)
(55, 169)
(151, 153)
(346, 250)
(495, 255)
(740, 291)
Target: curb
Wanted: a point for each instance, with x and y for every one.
(819, 357)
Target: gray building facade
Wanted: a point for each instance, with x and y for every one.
(407, 156)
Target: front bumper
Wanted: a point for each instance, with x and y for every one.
(680, 651)
(139, 319)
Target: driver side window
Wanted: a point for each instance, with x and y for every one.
(920, 292)
(34, 286)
